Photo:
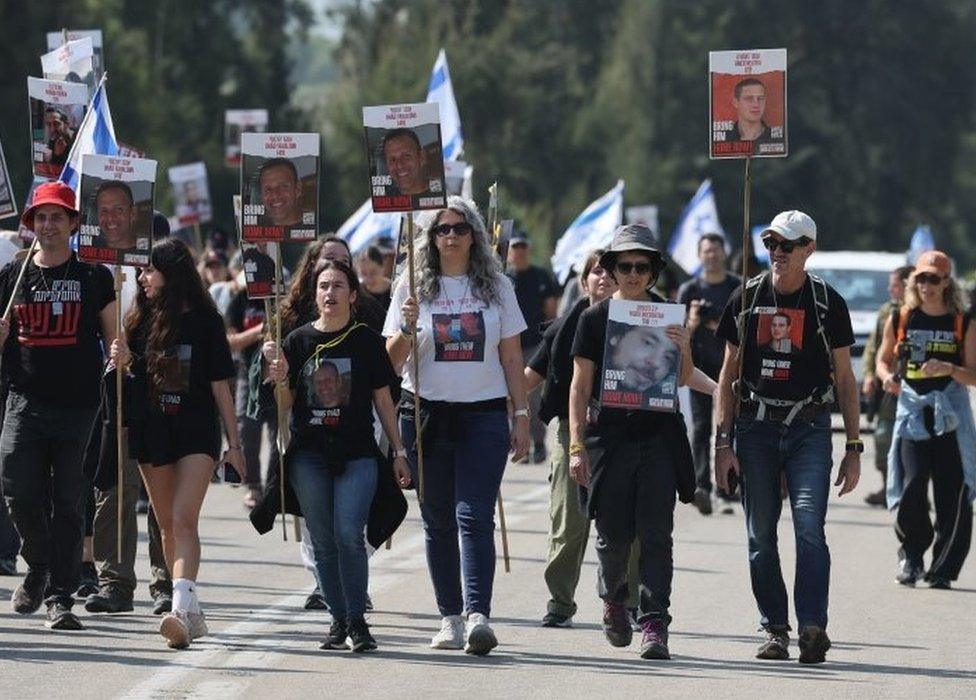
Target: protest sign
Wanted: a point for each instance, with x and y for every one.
(505, 228)
(116, 204)
(747, 103)
(405, 157)
(237, 122)
(279, 187)
(8, 206)
(55, 40)
(640, 363)
(56, 111)
(191, 193)
(73, 62)
(127, 151)
(259, 263)
(645, 214)
(26, 235)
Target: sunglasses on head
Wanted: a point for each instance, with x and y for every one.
(786, 246)
(462, 228)
(641, 268)
(928, 278)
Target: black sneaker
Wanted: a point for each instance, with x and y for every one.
(8, 566)
(162, 603)
(814, 644)
(703, 501)
(359, 637)
(654, 643)
(60, 617)
(552, 619)
(539, 453)
(776, 647)
(109, 599)
(30, 594)
(616, 624)
(316, 601)
(939, 583)
(909, 572)
(338, 632)
(88, 585)
(878, 499)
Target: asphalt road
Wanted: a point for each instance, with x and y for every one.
(888, 641)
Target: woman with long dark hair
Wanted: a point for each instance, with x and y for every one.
(180, 364)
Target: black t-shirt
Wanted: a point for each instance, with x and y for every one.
(243, 314)
(589, 342)
(532, 287)
(54, 351)
(784, 357)
(930, 337)
(707, 351)
(554, 361)
(333, 376)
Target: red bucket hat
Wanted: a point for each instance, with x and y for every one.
(50, 193)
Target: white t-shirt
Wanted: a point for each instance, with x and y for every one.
(458, 341)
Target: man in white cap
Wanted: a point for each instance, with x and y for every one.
(782, 427)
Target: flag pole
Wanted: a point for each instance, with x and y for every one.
(415, 356)
(743, 322)
(119, 279)
(279, 394)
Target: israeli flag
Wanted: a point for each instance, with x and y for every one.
(441, 91)
(592, 229)
(758, 248)
(96, 136)
(700, 216)
(365, 226)
(922, 241)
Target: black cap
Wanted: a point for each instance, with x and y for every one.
(637, 238)
(518, 237)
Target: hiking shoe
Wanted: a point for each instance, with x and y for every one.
(616, 624)
(88, 584)
(909, 572)
(29, 595)
(60, 617)
(814, 644)
(359, 637)
(316, 601)
(776, 647)
(451, 635)
(197, 624)
(654, 643)
(551, 619)
(703, 501)
(479, 637)
(878, 498)
(8, 566)
(336, 639)
(175, 628)
(162, 603)
(108, 599)
(939, 583)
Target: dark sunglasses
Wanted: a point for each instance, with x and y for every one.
(462, 228)
(214, 263)
(786, 246)
(641, 268)
(928, 278)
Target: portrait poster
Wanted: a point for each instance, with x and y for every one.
(73, 62)
(55, 40)
(116, 204)
(127, 151)
(405, 157)
(645, 214)
(258, 260)
(279, 187)
(779, 338)
(26, 235)
(56, 111)
(747, 104)
(191, 194)
(237, 122)
(327, 382)
(8, 205)
(640, 363)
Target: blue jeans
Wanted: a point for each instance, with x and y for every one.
(336, 509)
(461, 481)
(766, 450)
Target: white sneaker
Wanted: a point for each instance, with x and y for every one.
(451, 635)
(197, 624)
(175, 629)
(480, 637)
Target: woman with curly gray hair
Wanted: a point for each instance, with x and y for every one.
(470, 362)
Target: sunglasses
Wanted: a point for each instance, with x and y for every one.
(928, 278)
(786, 246)
(641, 268)
(462, 228)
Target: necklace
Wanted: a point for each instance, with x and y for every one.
(798, 299)
(57, 306)
(464, 297)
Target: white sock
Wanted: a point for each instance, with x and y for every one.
(185, 596)
(194, 600)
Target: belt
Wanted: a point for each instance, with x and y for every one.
(778, 414)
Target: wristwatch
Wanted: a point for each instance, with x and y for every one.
(402, 452)
(519, 412)
(854, 446)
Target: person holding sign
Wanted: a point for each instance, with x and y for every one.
(784, 394)
(180, 366)
(470, 362)
(632, 461)
(64, 310)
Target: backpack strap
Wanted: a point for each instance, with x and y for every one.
(821, 306)
(958, 329)
(903, 315)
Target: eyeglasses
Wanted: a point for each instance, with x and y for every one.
(462, 228)
(641, 268)
(928, 278)
(786, 246)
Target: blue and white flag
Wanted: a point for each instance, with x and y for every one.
(700, 216)
(365, 226)
(96, 136)
(922, 241)
(592, 229)
(758, 249)
(441, 91)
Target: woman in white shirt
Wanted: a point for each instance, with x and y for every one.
(470, 362)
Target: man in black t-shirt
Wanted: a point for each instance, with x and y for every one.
(538, 297)
(64, 315)
(783, 426)
(706, 296)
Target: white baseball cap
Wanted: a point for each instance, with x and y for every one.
(793, 225)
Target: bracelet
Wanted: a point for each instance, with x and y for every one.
(576, 448)
(406, 330)
(402, 452)
(726, 446)
(520, 412)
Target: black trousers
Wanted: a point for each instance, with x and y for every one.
(701, 441)
(41, 456)
(937, 459)
(635, 498)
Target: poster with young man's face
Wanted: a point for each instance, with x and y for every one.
(116, 197)
(258, 259)
(56, 111)
(747, 103)
(779, 337)
(73, 62)
(405, 157)
(8, 205)
(191, 194)
(55, 40)
(237, 122)
(279, 187)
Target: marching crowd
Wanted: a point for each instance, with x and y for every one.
(437, 390)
